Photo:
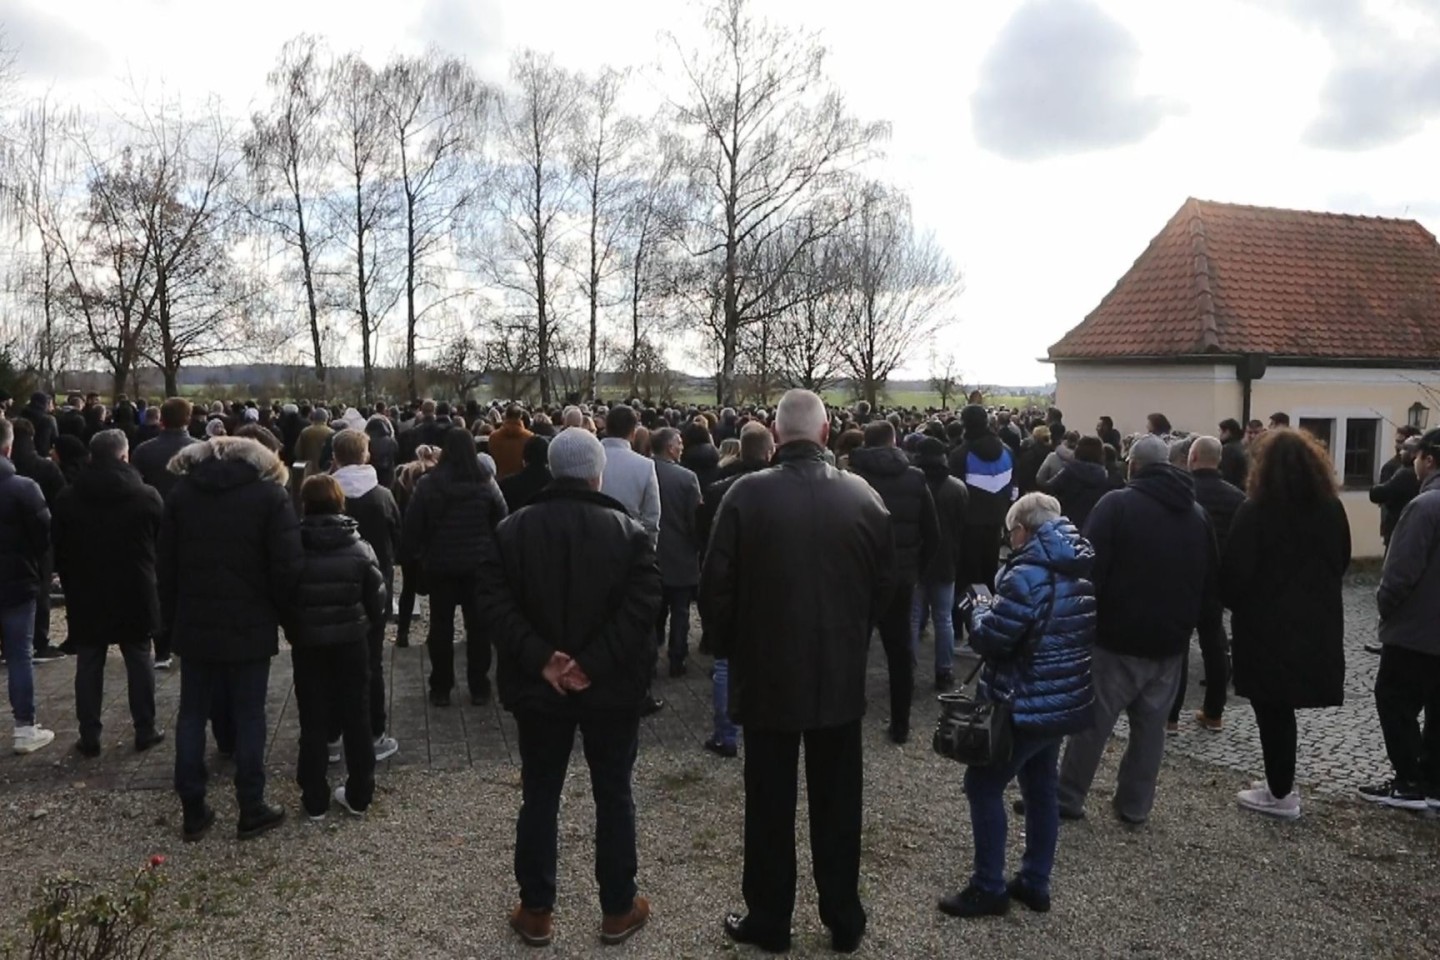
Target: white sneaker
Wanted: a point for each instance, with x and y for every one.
(165, 664)
(32, 738)
(335, 750)
(385, 747)
(1261, 800)
(345, 804)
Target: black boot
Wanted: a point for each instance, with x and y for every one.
(255, 822)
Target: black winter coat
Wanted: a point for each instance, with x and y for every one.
(1234, 463)
(152, 458)
(571, 572)
(375, 513)
(705, 516)
(340, 592)
(1027, 466)
(45, 427)
(912, 507)
(1078, 488)
(519, 489)
(951, 499)
(447, 522)
(703, 461)
(1220, 499)
(801, 564)
(229, 552)
(1155, 564)
(46, 472)
(24, 535)
(1282, 578)
(384, 456)
(1393, 493)
(104, 529)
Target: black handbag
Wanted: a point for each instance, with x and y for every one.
(980, 733)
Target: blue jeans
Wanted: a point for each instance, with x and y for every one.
(244, 686)
(1035, 760)
(17, 635)
(940, 599)
(726, 731)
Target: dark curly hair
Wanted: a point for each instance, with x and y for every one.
(1291, 469)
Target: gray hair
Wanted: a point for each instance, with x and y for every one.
(1032, 511)
(1180, 452)
(801, 415)
(111, 444)
(664, 439)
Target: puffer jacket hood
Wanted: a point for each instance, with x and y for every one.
(1043, 599)
(108, 480)
(225, 462)
(881, 461)
(1170, 486)
(328, 532)
(356, 480)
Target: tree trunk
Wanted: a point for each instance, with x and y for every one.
(366, 360)
(308, 275)
(410, 296)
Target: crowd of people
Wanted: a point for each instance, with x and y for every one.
(576, 540)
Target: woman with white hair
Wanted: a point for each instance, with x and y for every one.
(1035, 638)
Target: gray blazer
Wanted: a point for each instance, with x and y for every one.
(678, 552)
(630, 479)
(1409, 593)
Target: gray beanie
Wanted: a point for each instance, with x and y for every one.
(576, 455)
(1149, 450)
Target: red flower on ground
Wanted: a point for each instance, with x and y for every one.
(157, 861)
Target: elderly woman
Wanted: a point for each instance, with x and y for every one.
(1035, 639)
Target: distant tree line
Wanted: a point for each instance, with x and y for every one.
(412, 215)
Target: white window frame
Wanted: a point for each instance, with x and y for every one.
(1339, 437)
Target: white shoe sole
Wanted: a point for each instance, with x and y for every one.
(387, 754)
(1404, 804)
(1277, 813)
(30, 746)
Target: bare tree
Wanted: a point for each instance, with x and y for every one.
(601, 153)
(536, 193)
(945, 377)
(435, 110)
(807, 327)
(653, 219)
(510, 355)
(901, 288)
(364, 209)
(772, 140)
(287, 152)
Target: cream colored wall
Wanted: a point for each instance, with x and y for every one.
(1197, 398)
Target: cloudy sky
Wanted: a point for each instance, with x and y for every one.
(1044, 141)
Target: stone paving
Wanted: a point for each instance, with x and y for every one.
(1339, 748)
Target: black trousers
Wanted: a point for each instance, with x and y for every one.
(675, 609)
(834, 780)
(1276, 724)
(333, 681)
(1215, 654)
(447, 593)
(42, 604)
(981, 553)
(894, 629)
(1407, 683)
(610, 741)
(90, 686)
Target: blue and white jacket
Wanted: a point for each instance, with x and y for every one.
(1042, 588)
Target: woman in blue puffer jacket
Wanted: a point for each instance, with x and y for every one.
(1035, 637)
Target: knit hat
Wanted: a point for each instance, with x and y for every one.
(1149, 450)
(930, 452)
(576, 455)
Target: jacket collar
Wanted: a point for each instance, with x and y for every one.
(567, 489)
(800, 450)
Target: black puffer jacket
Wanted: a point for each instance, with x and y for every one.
(801, 564)
(229, 552)
(104, 530)
(571, 572)
(45, 427)
(24, 535)
(912, 508)
(1156, 564)
(340, 592)
(447, 522)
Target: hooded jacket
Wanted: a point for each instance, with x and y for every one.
(104, 529)
(24, 536)
(45, 427)
(229, 552)
(340, 593)
(42, 470)
(384, 450)
(1156, 563)
(1409, 593)
(1036, 635)
(988, 469)
(374, 510)
(1079, 487)
(912, 507)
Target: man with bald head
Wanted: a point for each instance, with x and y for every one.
(1220, 499)
(801, 564)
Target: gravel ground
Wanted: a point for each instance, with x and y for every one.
(428, 873)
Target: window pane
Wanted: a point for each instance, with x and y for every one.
(1361, 448)
(1322, 430)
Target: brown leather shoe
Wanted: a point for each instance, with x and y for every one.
(618, 929)
(535, 927)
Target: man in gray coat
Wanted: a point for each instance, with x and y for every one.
(678, 552)
(1408, 680)
(629, 477)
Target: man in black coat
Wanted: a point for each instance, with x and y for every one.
(917, 536)
(378, 518)
(1220, 500)
(46, 473)
(38, 413)
(1156, 566)
(519, 488)
(104, 530)
(570, 585)
(153, 456)
(24, 542)
(1234, 460)
(1397, 487)
(228, 560)
(800, 566)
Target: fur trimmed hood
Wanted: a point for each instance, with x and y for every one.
(216, 460)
